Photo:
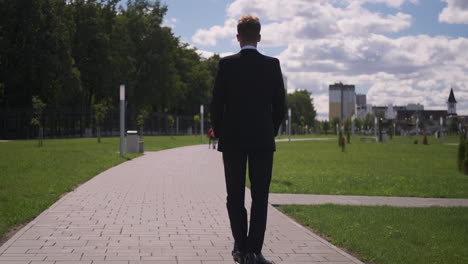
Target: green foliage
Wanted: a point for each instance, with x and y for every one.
(76, 53)
(302, 108)
(336, 121)
(347, 125)
(391, 129)
(391, 235)
(143, 115)
(100, 112)
(2, 92)
(38, 106)
(453, 125)
(36, 42)
(369, 122)
(170, 121)
(325, 126)
(358, 123)
(196, 118)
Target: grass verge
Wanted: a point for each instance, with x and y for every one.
(395, 168)
(388, 235)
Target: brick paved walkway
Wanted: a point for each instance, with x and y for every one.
(165, 207)
(314, 199)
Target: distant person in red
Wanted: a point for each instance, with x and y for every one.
(212, 138)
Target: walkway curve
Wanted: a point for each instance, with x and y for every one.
(316, 199)
(164, 207)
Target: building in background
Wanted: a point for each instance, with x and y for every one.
(362, 107)
(342, 101)
(415, 107)
(452, 104)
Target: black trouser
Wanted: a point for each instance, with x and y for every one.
(260, 166)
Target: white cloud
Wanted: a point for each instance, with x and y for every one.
(207, 54)
(342, 41)
(170, 22)
(456, 12)
(209, 37)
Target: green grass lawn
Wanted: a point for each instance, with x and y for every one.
(395, 168)
(32, 178)
(391, 235)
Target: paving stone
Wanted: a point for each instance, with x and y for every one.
(165, 207)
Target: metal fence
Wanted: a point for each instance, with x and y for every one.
(74, 123)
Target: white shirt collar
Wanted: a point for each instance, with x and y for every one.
(249, 47)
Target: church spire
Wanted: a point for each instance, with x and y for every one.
(451, 98)
(452, 104)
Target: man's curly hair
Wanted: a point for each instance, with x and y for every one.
(248, 27)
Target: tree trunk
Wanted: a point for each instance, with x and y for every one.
(41, 136)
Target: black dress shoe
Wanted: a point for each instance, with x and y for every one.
(260, 259)
(250, 259)
(237, 255)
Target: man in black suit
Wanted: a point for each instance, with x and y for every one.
(247, 110)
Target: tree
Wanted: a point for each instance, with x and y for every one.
(36, 39)
(453, 125)
(75, 53)
(347, 129)
(196, 119)
(461, 153)
(141, 118)
(36, 121)
(465, 163)
(171, 123)
(92, 50)
(325, 126)
(2, 93)
(335, 123)
(358, 123)
(369, 122)
(301, 105)
(391, 129)
(100, 112)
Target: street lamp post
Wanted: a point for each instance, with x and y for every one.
(289, 123)
(201, 122)
(375, 126)
(122, 120)
(441, 133)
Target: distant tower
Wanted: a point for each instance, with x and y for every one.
(342, 101)
(452, 104)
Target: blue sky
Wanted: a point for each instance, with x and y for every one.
(396, 51)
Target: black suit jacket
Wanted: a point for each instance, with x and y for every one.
(248, 102)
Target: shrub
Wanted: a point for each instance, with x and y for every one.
(465, 162)
(340, 135)
(425, 142)
(461, 153)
